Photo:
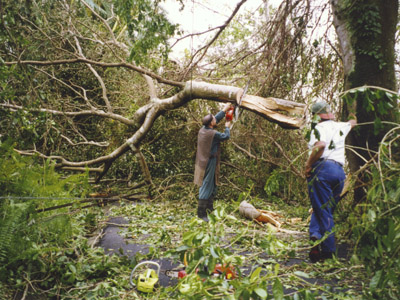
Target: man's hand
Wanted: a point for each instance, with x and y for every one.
(227, 107)
(316, 153)
(308, 170)
(352, 120)
(228, 124)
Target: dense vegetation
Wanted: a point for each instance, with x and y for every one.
(64, 110)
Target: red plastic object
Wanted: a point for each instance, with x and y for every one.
(181, 274)
(228, 270)
(229, 114)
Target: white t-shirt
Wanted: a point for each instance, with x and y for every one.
(333, 134)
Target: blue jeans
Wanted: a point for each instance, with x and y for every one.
(324, 187)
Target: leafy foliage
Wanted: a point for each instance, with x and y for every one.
(378, 230)
(379, 103)
(147, 26)
(50, 252)
(202, 248)
(25, 188)
(366, 29)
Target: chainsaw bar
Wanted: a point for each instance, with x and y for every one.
(171, 273)
(240, 101)
(175, 273)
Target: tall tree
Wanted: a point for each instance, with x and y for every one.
(366, 31)
(70, 80)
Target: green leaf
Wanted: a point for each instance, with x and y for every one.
(277, 290)
(371, 215)
(200, 235)
(188, 237)
(375, 280)
(255, 275)
(301, 274)
(206, 239)
(213, 253)
(261, 292)
(182, 248)
(72, 268)
(245, 295)
(230, 217)
(276, 269)
(389, 95)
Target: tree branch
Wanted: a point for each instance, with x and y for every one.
(94, 112)
(205, 48)
(99, 79)
(152, 88)
(100, 64)
(92, 143)
(269, 108)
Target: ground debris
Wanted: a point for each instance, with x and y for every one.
(264, 216)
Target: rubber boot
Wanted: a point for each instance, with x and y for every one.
(315, 253)
(210, 205)
(202, 209)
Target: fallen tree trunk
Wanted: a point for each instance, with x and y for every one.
(287, 114)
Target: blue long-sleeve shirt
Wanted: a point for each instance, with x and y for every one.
(209, 187)
(219, 136)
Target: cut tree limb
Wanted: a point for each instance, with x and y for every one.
(276, 110)
(258, 215)
(272, 109)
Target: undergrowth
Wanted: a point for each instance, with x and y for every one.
(47, 254)
(26, 187)
(261, 256)
(376, 229)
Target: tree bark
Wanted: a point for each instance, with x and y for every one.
(366, 33)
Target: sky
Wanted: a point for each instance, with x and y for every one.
(201, 15)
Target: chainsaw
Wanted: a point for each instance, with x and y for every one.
(234, 111)
(147, 280)
(229, 114)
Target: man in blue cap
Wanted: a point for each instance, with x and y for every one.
(325, 176)
(206, 173)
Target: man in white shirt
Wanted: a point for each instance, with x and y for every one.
(325, 176)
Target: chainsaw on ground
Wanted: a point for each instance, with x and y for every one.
(147, 280)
